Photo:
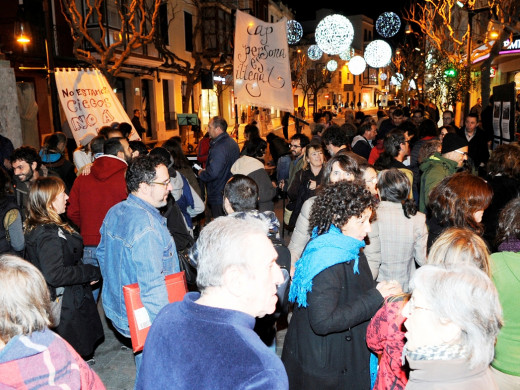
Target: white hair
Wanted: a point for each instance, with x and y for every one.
(224, 243)
(466, 296)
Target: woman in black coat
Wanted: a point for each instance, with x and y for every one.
(335, 295)
(56, 250)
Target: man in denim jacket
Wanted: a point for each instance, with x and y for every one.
(136, 246)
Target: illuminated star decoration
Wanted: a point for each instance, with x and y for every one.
(332, 65)
(314, 52)
(397, 79)
(334, 34)
(357, 65)
(388, 24)
(378, 54)
(347, 54)
(383, 76)
(294, 32)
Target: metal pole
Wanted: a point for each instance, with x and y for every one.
(471, 13)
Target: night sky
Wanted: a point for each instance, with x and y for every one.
(373, 8)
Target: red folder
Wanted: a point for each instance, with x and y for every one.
(138, 318)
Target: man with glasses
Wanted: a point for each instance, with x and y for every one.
(478, 152)
(136, 246)
(453, 154)
(448, 119)
(297, 145)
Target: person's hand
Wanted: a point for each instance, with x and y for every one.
(387, 288)
(200, 171)
(94, 282)
(281, 184)
(312, 184)
(85, 170)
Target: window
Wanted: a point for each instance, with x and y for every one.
(217, 31)
(163, 23)
(188, 31)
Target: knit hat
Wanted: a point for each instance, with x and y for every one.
(452, 142)
(85, 140)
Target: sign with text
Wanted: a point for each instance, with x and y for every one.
(262, 71)
(89, 102)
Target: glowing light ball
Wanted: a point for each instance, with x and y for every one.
(347, 55)
(332, 65)
(334, 34)
(388, 24)
(357, 65)
(294, 32)
(378, 54)
(314, 52)
(397, 79)
(383, 76)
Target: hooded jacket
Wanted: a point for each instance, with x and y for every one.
(93, 195)
(433, 170)
(253, 168)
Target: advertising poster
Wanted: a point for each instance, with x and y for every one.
(506, 114)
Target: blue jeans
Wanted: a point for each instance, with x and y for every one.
(89, 257)
(282, 167)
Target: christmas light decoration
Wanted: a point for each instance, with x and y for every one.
(334, 34)
(378, 54)
(388, 24)
(347, 54)
(314, 52)
(383, 76)
(357, 65)
(332, 65)
(397, 79)
(294, 32)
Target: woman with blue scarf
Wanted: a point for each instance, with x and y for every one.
(334, 294)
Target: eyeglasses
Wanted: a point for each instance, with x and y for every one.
(292, 146)
(161, 183)
(459, 152)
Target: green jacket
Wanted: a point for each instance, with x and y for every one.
(434, 169)
(505, 271)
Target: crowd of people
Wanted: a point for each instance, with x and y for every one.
(401, 268)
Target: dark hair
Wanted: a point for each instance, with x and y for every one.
(428, 148)
(346, 163)
(472, 115)
(304, 140)
(392, 147)
(173, 146)
(241, 192)
(54, 139)
(418, 111)
(255, 147)
(252, 131)
(125, 129)
(428, 128)
(163, 155)
(449, 129)
(449, 112)
(139, 146)
(509, 222)
(97, 144)
(103, 131)
(141, 170)
(218, 121)
(505, 160)
(5, 183)
(394, 186)
(457, 197)
(136, 110)
(366, 126)
(349, 129)
(334, 135)
(336, 203)
(27, 154)
(112, 146)
(397, 112)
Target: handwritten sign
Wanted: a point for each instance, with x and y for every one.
(89, 102)
(262, 72)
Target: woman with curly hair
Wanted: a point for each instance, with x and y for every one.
(335, 295)
(505, 266)
(458, 200)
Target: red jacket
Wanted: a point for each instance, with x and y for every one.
(93, 195)
(385, 336)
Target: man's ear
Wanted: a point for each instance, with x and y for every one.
(233, 280)
(34, 164)
(227, 206)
